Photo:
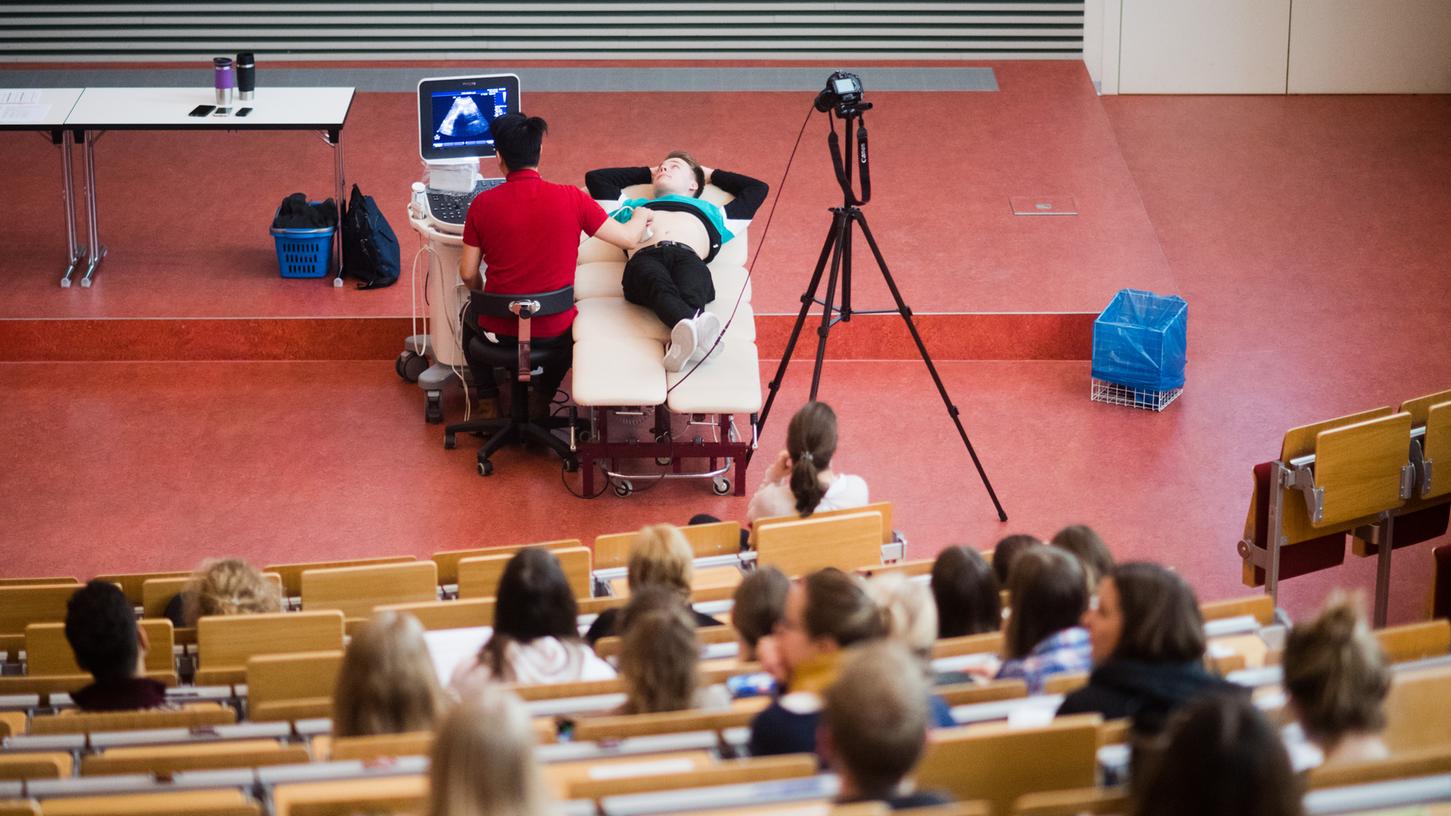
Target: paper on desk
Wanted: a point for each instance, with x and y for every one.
(18, 96)
(648, 768)
(14, 113)
(1031, 716)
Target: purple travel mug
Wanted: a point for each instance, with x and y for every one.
(226, 79)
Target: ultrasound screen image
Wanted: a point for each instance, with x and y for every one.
(461, 118)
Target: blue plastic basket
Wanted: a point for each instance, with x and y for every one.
(303, 253)
(1140, 341)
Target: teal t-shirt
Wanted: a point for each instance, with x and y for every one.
(711, 212)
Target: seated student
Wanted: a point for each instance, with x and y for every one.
(910, 619)
(387, 683)
(659, 556)
(757, 606)
(1083, 542)
(668, 273)
(1147, 639)
(800, 481)
(101, 627)
(660, 657)
(1006, 552)
(1219, 757)
(482, 762)
(1337, 682)
(227, 586)
(1043, 637)
(874, 727)
(826, 612)
(534, 638)
(966, 591)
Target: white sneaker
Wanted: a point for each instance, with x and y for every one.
(683, 342)
(707, 331)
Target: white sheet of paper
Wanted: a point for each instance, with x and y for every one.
(1031, 716)
(23, 112)
(655, 768)
(18, 96)
(450, 647)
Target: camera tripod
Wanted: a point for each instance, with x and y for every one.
(837, 248)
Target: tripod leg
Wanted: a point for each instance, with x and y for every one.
(807, 298)
(843, 243)
(906, 313)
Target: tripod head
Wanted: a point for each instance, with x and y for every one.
(843, 96)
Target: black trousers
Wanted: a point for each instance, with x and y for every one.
(546, 383)
(669, 280)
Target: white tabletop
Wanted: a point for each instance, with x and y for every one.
(168, 109)
(36, 108)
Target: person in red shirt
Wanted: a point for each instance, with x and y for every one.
(526, 232)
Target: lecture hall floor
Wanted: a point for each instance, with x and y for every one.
(1307, 234)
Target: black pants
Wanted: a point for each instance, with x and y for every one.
(546, 383)
(669, 280)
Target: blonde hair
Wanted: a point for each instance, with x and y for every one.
(483, 760)
(660, 556)
(387, 683)
(229, 586)
(660, 653)
(1335, 673)
(908, 610)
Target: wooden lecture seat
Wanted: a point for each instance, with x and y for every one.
(562, 691)
(226, 642)
(478, 577)
(23, 605)
(156, 593)
(131, 583)
(165, 760)
(48, 653)
(462, 613)
(1417, 714)
(957, 694)
(706, 541)
(356, 590)
(706, 584)
(883, 509)
(19, 807)
(62, 579)
(1414, 641)
(999, 763)
(292, 573)
(594, 606)
(1065, 683)
(375, 747)
(798, 547)
(196, 715)
(1262, 607)
(987, 642)
(907, 568)
(611, 645)
(13, 723)
(741, 712)
(561, 777)
(35, 765)
(180, 803)
(447, 560)
(389, 794)
(1400, 765)
(722, 772)
(294, 686)
(45, 685)
(1073, 802)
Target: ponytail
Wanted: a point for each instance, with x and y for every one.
(806, 484)
(810, 442)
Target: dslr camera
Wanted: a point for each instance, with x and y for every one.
(843, 92)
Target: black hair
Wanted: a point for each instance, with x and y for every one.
(518, 139)
(966, 591)
(100, 624)
(534, 601)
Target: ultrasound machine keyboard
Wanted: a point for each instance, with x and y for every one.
(451, 208)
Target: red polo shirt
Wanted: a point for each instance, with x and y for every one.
(528, 230)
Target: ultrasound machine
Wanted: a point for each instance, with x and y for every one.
(453, 135)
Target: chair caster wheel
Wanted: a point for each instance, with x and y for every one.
(720, 486)
(449, 441)
(486, 468)
(623, 488)
(410, 366)
(433, 408)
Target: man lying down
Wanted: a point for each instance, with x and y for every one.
(667, 273)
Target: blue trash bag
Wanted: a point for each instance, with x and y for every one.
(1140, 340)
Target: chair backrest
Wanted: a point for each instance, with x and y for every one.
(156, 593)
(968, 644)
(447, 560)
(956, 694)
(1065, 683)
(226, 642)
(60, 579)
(23, 605)
(1073, 802)
(884, 509)
(908, 568)
(37, 765)
(292, 573)
(132, 582)
(725, 772)
(505, 306)
(849, 541)
(562, 691)
(969, 762)
(670, 722)
(1295, 524)
(1436, 447)
(479, 577)
(464, 613)
(165, 760)
(1401, 765)
(388, 794)
(706, 540)
(279, 684)
(1417, 716)
(1414, 641)
(47, 652)
(560, 777)
(179, 803)
(193, 716)
(1359, 468)
(1262, 607)
(356, 590)
(612, 645)
(379, 746)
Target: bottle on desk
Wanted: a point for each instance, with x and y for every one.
(246, 76)
(224, 79)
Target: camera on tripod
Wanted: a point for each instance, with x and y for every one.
(843, 91)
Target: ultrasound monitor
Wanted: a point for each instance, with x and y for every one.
(454, 114)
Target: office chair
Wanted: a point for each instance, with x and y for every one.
(520, 360)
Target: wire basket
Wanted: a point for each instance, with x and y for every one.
(1130, 397)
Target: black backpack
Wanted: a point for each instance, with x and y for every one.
(370, 248)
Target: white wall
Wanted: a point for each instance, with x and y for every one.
(1371, 46)
(1204, 46)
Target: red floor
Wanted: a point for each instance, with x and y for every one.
(1307, 233)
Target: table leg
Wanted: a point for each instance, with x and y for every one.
(98, 250)
(336, 137)
(76, 253)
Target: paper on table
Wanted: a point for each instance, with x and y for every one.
(18, 96)
(23, 113)
(649, 768)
